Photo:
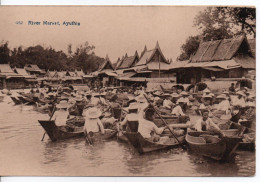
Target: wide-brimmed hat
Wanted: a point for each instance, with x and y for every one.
(93, 113)
(78, 99)
(221, 96)
(202, 106)
(181, 100)
(62, 105)
(175, 95)
(240, 93)
(206, 96)
(206, 90)
(141, 99)
(167, 95)
(156, 98)
(183, 93)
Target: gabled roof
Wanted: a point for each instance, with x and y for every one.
(106, 65)
(51, 73)
(6, 71)
(148, 55)
(219, 50)
(5, 68)
(128, 62)
(80, 73)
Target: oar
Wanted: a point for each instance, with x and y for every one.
(184, 147)
(53, 111)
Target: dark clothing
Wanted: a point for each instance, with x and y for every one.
(76, 110)
(232, 89)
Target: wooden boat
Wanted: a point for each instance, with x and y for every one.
(25, 100)
(212, 146)
(96, 137)
(243, 145)
(59, 132)
(16, 101)
(143, 145)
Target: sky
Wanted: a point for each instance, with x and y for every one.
(112, 30)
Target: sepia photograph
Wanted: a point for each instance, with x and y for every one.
(128, 91)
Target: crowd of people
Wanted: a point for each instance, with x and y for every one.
(133, 109)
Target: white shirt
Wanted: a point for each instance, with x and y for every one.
(239, 102)
(177, 110)
(210, 125)
(93, 125)
(60, 117)
(146, 127)
(223, 106)
(167, 103)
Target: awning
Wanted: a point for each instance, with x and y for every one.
(31, 80)
(126, 76)
(213, 69)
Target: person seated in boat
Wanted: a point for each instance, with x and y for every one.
(223, 107)
(77, 108)
(239, 101)
(147, 128)
(206, 124)
(167, 103)
(130, 122)
(178, 112)
(184, 100)
(92, 122)
(232, 88)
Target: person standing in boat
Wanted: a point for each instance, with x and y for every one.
(206, 124)
(61, 114)
(92, 122)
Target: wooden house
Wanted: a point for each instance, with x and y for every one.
(9, 79)
(33, 69)
(105, 76)
(30, 80)
(227, 58)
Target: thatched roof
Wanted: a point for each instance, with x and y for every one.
(220, 50)
(106, 65)
(147, 56)
(127, 62)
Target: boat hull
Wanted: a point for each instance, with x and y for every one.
(59, 132)
(220, 149)
(143, 145)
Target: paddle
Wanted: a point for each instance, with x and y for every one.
(183, 146)
(53, 111)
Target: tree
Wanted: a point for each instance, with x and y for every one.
(190, 47)
(224, 22)
(4, 52)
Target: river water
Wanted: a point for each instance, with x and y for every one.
(23, 153)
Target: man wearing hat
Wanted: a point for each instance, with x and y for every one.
(239, 101)
(167, 103)
(92, 122)
(131, 119)
(223, 108)
(61, 114)
(147, 128)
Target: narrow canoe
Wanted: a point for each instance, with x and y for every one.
(243, 145)
(59, 132)
(143, 145)
(16, 101)
(25, 100)
(212, 146)
(96, 137)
